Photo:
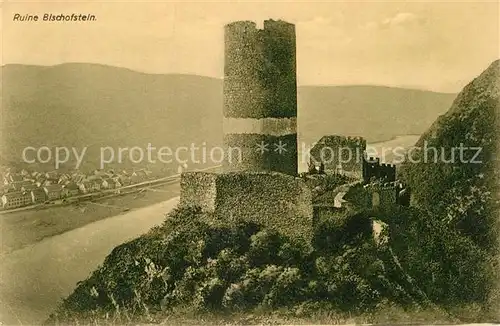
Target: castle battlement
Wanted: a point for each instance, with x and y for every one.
(372, 159)
(269, 25)
(243, 25)
(386, 186)
(372, 168)
(279, 27)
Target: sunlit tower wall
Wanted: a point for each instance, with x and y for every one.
(260, 97)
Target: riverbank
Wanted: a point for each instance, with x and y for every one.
(391, 151)
(36, 277)
(19, 229)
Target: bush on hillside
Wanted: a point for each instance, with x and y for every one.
(187, 262)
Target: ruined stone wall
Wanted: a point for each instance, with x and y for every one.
(387, 194)
(260, 70)
(243, 94)
(335, 151)
(252, 159)
(372, 168)
(276, 200)
(388, 172)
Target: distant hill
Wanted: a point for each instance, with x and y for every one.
(94, 105)
(375, 112)
(463, 192)
(85, 104)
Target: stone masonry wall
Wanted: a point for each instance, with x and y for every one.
(387, 194)
(254, 160)
(260, 70)
(276, 200)
(339, 150)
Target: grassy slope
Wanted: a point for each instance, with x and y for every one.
(135, 279)
(466, 195)
(385, 315)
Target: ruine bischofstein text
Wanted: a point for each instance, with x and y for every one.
(51, 17)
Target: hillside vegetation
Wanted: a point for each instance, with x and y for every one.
(464, 193)
(188, 265)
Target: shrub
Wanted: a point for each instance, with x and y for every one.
(186, 262)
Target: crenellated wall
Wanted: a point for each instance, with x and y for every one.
(372, 168)
(383, 195)
(387, 172)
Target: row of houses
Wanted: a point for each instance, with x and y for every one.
(37, 195)
(55, 177)
(24, 188)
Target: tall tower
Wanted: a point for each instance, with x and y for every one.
(260, 97)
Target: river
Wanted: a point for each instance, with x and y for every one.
(35, 278)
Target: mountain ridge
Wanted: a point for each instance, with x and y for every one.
(403, 87)
(100, 104)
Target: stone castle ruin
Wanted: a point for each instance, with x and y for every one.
(260, 109)
(373, 169)
(260, 96)
(259, 181)
(276, 200)
(347, 156)
(339, 154)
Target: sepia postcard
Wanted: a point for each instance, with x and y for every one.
(250, 162)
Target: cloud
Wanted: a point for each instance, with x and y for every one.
(319, 32)
(316, 23)
(401, 19)
(370, 26)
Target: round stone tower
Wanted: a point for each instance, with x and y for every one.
(260, 97)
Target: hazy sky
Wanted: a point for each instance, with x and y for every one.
(437, 46)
